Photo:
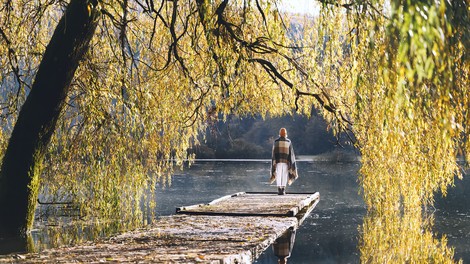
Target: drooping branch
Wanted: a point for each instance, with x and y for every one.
(22, 162)
(329, 108)
(270, 67)
(13, 60)
(344, 123)
(260, 46)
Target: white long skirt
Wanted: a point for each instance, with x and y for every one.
(281, 174)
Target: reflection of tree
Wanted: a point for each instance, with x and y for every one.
(73, 233)
(393, 237)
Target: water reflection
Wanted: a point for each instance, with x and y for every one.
(282, 247)
(339, 230)
(16, 244)
(64, 232)
(396, 237)
(408, 234)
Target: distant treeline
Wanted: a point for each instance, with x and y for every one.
(252, 137)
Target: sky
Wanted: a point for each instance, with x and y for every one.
(301, 6)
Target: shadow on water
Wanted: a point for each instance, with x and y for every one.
(329, 235)
(15, 244)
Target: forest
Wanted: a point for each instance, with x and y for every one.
(252, 138)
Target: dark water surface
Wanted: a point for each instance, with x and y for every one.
(452, 217)
(330, 234)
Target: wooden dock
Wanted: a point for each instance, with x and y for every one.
(233, 229)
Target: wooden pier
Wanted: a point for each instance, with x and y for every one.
(233, 229)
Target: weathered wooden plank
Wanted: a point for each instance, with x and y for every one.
(187, 238)
(253, 204)
(310, 204)
(193, 207)
(177, 239)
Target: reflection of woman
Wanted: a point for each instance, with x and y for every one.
(282, 247)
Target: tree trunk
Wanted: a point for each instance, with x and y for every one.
(21, 167)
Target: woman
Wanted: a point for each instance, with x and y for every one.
(283, 167)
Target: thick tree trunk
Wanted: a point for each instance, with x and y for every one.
(21, 167)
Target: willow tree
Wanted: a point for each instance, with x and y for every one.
(156, 73)
(39, 113)
(400, 69)
(114, 91)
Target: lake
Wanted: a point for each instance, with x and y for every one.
(329, 235)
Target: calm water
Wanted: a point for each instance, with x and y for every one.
(330, 234)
